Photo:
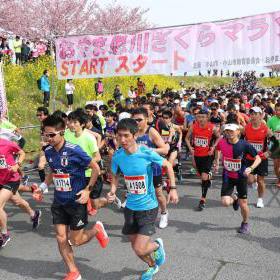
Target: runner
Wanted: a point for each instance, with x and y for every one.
(42, 114)
(135, 162)
(77, 134)
(172, 135)
(235, 172)
(9, 182)
(256, 133)
(68, 163)
(274, 124)
(149, 137)
(204, 138)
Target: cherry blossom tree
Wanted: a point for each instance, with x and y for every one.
(46, 19)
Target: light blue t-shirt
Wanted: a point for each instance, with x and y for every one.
(138, 175)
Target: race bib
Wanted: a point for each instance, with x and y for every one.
(136, 184)
(201, 142)
(165, 138)
(277, 135)
(258, 145)
(232, 165)
(3, 164)
(62, 182)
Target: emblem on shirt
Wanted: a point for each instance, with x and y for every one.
(64, 159)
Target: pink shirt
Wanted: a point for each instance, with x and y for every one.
(7, 151)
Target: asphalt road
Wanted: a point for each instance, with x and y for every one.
(199, 245)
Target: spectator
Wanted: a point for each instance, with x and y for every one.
(17, 48)
(156, 90)
(35, 53)
(117, 93)
(25, 50)
(69, 89)
(98, 87)
(141, 87)
(45, 88)
(131, 92)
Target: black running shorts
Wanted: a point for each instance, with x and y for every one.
(261, 170)
(140, 222)
(204, 164)
(97, 189)
(229, 184)
(74, 215)
(157, 180)
(11, 186)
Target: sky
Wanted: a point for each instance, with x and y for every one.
(177, 12)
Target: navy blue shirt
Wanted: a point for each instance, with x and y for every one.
(68, 166)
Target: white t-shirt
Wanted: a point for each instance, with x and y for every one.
(131, 94)
(69, 88)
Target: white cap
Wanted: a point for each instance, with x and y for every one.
(124, 115)
(176, 101)
(200, 103)
(231, 126)
(256, 109)
(214, 101)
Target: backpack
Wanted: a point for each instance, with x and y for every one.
(39, 83)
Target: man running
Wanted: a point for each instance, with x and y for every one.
(204, 136)
(9, 182)
(274, 124)
(149, 137)
(68, 163)
(235, 172)
(256, 133)
(135, 162)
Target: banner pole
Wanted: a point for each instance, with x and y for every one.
(4, 92)
(53, 87)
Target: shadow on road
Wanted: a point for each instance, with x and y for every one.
(34, 269)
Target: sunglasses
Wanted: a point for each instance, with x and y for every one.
(213, 109)
(51, 134)
(159, 116)
(138, 120)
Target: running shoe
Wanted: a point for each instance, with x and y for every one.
(25, 179)
(201, 205)
(36, 219)
(193, 171)
(118, 203)
(235, 204)
(210, 176)
(163, 223)
(260, 203)
(243, 228)
(91, 211)
(151, 271)
(101, 235)
(159, 253)
(73, 276)
(4, 239)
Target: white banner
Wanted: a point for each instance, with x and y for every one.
(3, 99)
(240, 43)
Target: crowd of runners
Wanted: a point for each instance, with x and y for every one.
(142, 144)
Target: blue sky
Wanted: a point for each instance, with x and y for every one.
(176, 12)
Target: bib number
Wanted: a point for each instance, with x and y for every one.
(257, 145)
(201, 142)
(136, 184)
(232, 165)
(62, 182)
(3, 164)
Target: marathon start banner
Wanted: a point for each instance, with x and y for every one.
(233, 44)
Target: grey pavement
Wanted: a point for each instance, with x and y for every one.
(199, 245)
